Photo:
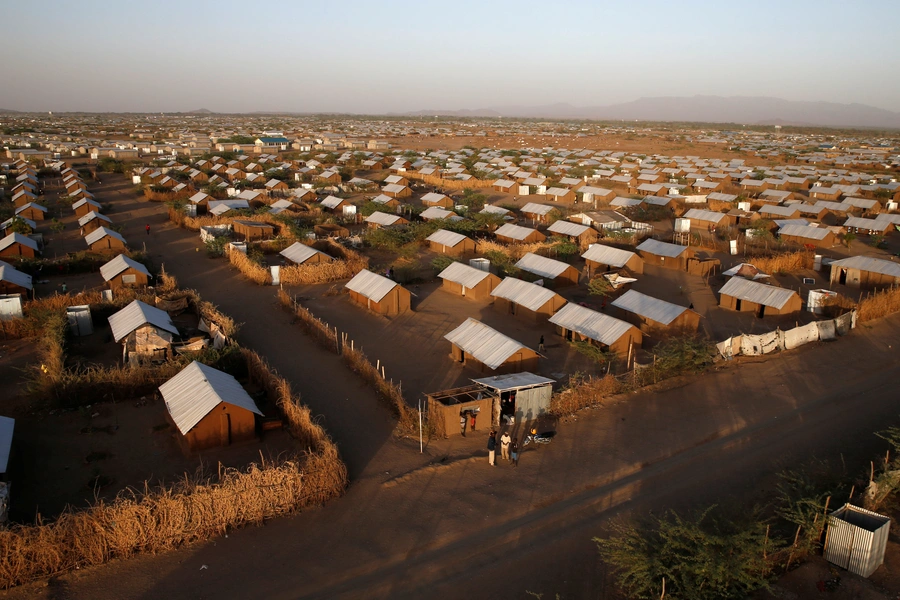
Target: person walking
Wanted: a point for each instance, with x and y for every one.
(472, 420)
(462, 424)
(64, 287)
(514, 452)
(148, 228)
(492, 446)
(541, 345)
(504, 445)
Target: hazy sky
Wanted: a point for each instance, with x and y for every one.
(379, 56)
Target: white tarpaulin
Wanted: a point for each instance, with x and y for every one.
(730, 347)
(845, 323)
(796, 337)
(754, 345)
(827, 330)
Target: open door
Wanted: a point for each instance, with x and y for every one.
(225, 428)
(737, 304)
(761, 311)
(843, 278)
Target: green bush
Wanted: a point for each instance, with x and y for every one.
(441, 262)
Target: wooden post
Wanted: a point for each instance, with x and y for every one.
(793, 547)
(766, 543)
(663, 594)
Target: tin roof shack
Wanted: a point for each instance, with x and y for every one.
(253, 230)
(527, 300)
(469, 282)
(656, 317)
(744, 295)
(123, 271)
(821, 237)
(514, 234)
(577, 323)
(582, 235)
(145, 331)
(104, 239)
(379, 219)
(434, 199)
(865, 272)
(520, 396)
(13, 281)
(92, 221)
(445, 408)
(706, 220)
(301, 254)
(600, 259)
(84, 206)
(856, 539)
(379, 294)
(484, 349)
(554, 272)
(16, 244)
(209, 408)
(665, 254)
(539, 213)
(450, 243)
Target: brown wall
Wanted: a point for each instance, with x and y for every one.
(536, 236)
(480, 292)
(225, 424)
(523, 360)
(106, 243)
(140, 279)
(446, 418)
(679, 263)
(83, 210)
(443, 203)
(253, 233)
(731, 303)
(17, 250)
(686, 323)
(635, 266)
(466, 246)
(394, 303)
(546, 311)
(825, 242)
(620, 346)
(863, 279)
(10, 288)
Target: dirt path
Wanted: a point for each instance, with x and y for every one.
(469, 529)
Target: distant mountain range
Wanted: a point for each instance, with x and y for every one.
(702, 109)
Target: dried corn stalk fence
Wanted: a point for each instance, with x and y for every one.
(373, 374)
(879, 304)
(347, 264)
(249, 268)
(448, 184)
(196, 508)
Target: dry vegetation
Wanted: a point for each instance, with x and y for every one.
(196, 507)
(347, 263)
(448, 184)
(879, 304)
(789, 262)
(584, 393)
(249, 268)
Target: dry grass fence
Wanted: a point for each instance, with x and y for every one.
(584, 393)
(448, 184)
(515, 251)
(250, 269)
(374, 375)
(879, 304)
(787, 262)
(155, 196)
(347, 264)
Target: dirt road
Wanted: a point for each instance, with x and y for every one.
(410, 528)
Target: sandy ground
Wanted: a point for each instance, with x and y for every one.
(407, 528)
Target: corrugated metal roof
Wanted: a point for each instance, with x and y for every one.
(543, 266)
(514, 232)
(14, 276)
(704, 215)
(463, 274)
(432, 197)
(393, 188)
(486, 344)
(84, 201)
(100, 233)
(781, 211)
(590, 323)
(869, 263)
(371, 285)
(659, 248)
(380, 218)
(607, 255)
(7, 426)
(760, 293)
(299, 253)
(197, 390)
(805, 231)
(649, 307)
(18, 238)
(621, 202)
(863, 223)
(529, 295)
(436, 212)
(514, 381)
(91, 216)
(446, 238)
(136, 314)
(534, 208)
(119, 264)
(597, 191)
(382, 199)
(331, 202)
(567, 228)
(490, 209)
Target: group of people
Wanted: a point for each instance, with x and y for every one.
(509, 448)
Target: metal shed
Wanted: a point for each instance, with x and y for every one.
(856, 539)
(523, 396)
(80, 322)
